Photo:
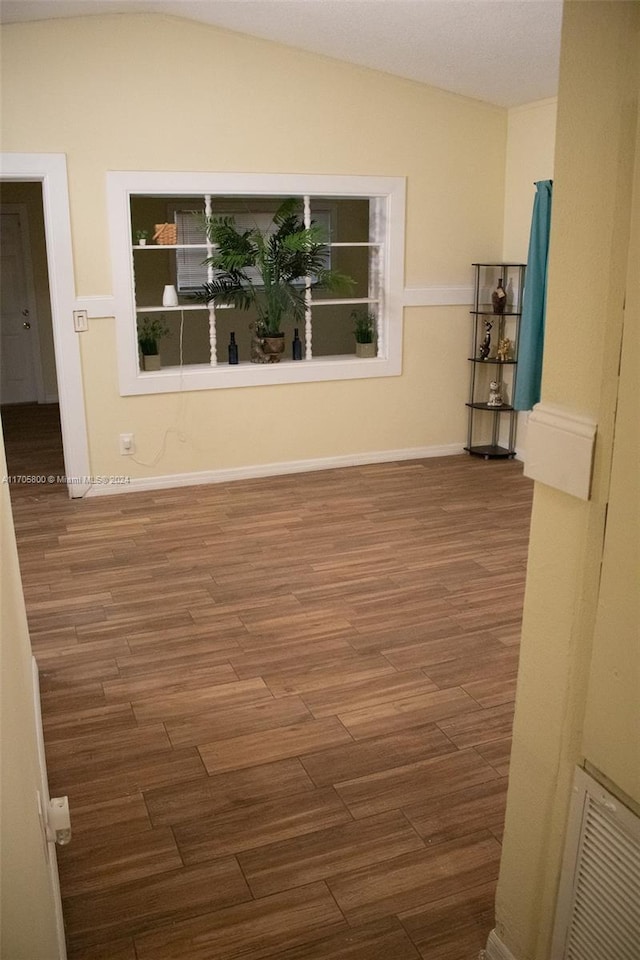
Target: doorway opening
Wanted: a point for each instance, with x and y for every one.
(28, 375)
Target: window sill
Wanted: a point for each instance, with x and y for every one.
(224, 376)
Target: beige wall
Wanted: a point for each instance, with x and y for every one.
(611, 741)
(568, 672)
(30, 194)
(137, 92)
(25, 933)
(531, 138)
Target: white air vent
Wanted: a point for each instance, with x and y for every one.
(598, 913)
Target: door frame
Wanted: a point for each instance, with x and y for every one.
(50, 169)
(34, 341)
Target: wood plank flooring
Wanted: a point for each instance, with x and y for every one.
(280, 708)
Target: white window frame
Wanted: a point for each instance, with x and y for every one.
(390, 214)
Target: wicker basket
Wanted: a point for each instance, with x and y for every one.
(166, 233)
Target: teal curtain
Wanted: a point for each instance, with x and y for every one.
(527, 390)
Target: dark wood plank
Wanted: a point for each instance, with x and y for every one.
(260, 824)
(252, 930)
(418, 782)
(383, 940)
(325, 853)
(454, 927)
(359, 696)
(415, 879)
(97, 861)
(396, 715)
(290, 741)
(225, 723)
(475, 809)
(373, 756)
(153, 902)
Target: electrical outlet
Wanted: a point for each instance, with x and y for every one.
(127, 444)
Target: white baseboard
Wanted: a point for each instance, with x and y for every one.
(495, 949)
(271, 469)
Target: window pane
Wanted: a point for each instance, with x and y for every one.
(349, 217)
(333, 329)
(195, 337)
(352, 262)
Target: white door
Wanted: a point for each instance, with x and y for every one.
(18, 331)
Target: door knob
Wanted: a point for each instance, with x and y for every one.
(26, 325)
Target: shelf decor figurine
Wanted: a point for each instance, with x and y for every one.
(485, 347)
(499, 298)
(503, 351)
(495, 397)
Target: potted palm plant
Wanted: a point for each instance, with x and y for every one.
(364, 330)
(150, 332)
(266, 270)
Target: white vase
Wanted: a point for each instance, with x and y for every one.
(169, 297)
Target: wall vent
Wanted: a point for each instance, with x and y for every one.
(598, 911)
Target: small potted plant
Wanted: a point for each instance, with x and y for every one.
(150, 331)
(141, 237)
(364, 330)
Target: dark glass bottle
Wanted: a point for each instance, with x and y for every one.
(233, 348)
(499, 298)
(296, 346)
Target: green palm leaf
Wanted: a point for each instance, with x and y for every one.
(282, 257)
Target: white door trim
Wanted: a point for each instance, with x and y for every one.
(50, 169)
(21, 210)
(54, 878)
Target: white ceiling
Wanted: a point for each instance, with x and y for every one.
(502, 51)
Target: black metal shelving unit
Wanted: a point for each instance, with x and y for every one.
(491, 430)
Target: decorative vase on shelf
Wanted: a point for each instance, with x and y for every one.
(233, 349)
(499, 298)
(169, 296)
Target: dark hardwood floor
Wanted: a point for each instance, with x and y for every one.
(280, 708)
